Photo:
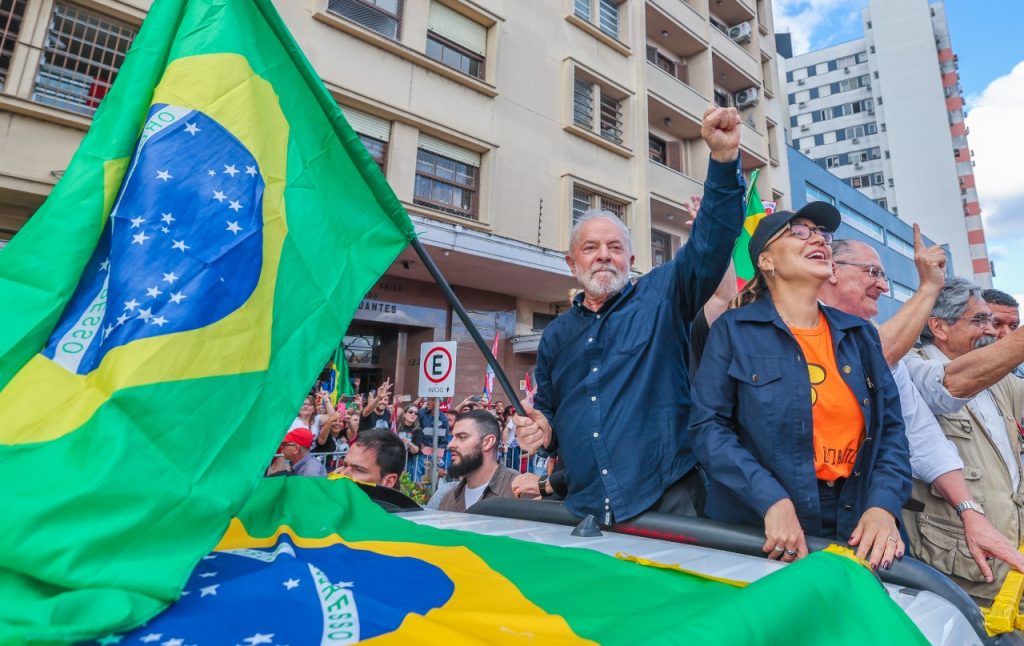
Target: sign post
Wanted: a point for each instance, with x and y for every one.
(437, 379)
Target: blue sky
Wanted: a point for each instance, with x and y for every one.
(985, 35)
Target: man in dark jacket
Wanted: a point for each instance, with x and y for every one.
(611, 372)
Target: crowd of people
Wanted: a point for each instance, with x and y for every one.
(780, 406)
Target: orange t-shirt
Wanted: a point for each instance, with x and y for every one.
(837, 416)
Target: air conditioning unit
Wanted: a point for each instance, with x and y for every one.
(746, 98)
(802, 104)
(805, 127)
(801, 81)
(871, 111)
(858, 165)
(855, 140)
(741, 33)
(846, 70)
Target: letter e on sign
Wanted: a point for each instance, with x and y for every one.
(437, 369)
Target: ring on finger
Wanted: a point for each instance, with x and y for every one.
(779, 548)
(894, 540)
(790, 552)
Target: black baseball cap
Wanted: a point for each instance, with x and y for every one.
(822, 214)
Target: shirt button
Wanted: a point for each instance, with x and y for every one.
(598, 316)
(754, 378)
(866, 402)
(847, 369)
(604, 472)
(594, 399)
(607, 500)
(597, 435)
(594, 369)
(590, 340)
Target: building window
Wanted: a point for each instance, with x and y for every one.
(81, 57)
(447, 178)
(723, 99)
(606, 18)
(456, 41)
(374, 133)
(657, 150)
(832, 162)
(861, 223)
(661, 248)
(901, 246)
(381, 16)
(902, 293)
(815, 194)
(656, 57)
(541, 321)
(882, 203)
(608, 109)
(584, 200)
(10, 23)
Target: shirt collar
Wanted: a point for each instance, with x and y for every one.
(935, 354)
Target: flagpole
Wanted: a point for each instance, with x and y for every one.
(453, 300)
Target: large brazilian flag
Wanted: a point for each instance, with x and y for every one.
(165, 311)
(313, 561)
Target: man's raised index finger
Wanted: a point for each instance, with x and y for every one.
(918, 241)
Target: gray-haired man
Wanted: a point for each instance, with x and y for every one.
(963, 373)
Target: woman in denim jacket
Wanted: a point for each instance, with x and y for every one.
(796, 418)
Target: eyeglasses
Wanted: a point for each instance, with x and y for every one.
(978, 320)
(412, 411)
(874, 271)
(804, 232)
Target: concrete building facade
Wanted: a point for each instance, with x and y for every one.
(496, 122)
(885, 114)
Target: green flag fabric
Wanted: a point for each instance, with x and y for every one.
(311, 558)
(740, 253)
(166, 311)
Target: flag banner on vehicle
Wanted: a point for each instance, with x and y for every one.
(168, 308)
(314, 561)
(489, 374)
(741, 253)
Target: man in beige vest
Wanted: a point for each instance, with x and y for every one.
(964, 377)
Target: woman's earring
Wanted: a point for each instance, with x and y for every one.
(773, 273)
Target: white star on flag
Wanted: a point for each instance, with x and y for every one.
(164, 175)
(121, 319)
(291, 583)
(153, 292)
(146, 313)
(211, 172)
(231, 170)
(173, 642)
(164, 230)
(107, 330)
(192, 128)
(170, 278)
(180, 244)
(131, 305)
(105, 265)
(207, 575)
(140, 237)
(158, 321)
(137, 222)
(235, 206)
(220, 197)
(176, 297)
(250, 170)
(259, 638)
(234, 228)
(151, 637)
(210, 589)
(167, 217)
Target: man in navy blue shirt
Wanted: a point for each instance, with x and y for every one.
(612, 390)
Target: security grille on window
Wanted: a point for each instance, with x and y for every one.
(584, 200)
(606, 18)
(374, 133)
(657, 149)
(447, 178)
(661, 244)
(611, 118)
(11, 13)
(382, 16)
(82, 54)
(583, 104)
(456, 41)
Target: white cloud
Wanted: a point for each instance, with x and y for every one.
(996, 137)
(815, 23)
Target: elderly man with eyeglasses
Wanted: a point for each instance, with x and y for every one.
(963, 374)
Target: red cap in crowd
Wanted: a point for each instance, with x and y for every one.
(301, 436)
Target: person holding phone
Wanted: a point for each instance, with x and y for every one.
(796, 417)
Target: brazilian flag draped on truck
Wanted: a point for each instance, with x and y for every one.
(166, 310)
(313, 561)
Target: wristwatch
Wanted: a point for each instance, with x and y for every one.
(542, 485)
(969, 504)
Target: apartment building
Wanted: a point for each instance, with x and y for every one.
(497, 123)
(885, 114)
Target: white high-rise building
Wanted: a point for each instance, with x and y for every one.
(885, 114)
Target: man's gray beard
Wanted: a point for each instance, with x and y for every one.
(596, 287)
(984, 341)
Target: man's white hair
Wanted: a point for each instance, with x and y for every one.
(598, 214)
